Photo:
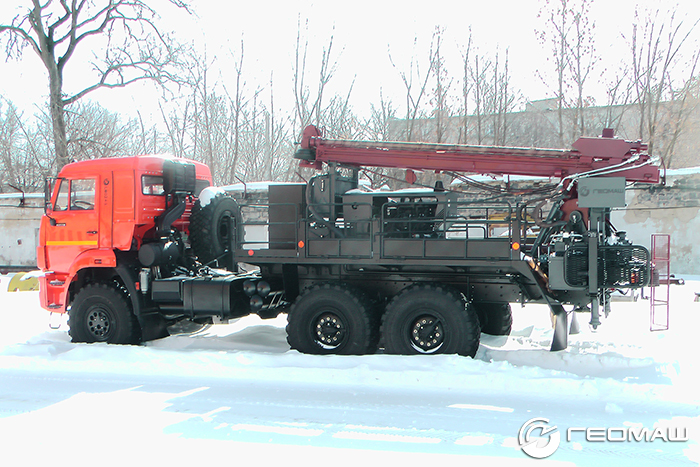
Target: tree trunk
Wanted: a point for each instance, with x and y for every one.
(58, 117)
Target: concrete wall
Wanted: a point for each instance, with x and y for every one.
(671, 209)
(19, 229)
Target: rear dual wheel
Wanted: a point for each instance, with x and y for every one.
(422, 319)
(430, 319)
(495, 318)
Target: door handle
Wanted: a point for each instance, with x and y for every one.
(92, 232)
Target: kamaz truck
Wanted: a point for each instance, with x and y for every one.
(132, 245)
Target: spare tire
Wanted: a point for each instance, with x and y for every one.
(213, 228)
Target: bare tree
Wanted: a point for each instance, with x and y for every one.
(657, 45)
(10, 133)
(618, 96)
(479, 71)
(237, 110)
(582, 61)
(568, 33)
(381, 125)
(502, 100)
(37, 146)
(135, 49)
(683, 104)
(26, 145)
(443, 82)
(494, 97)
(276, 141)
(308, 109)
(255, 170)
(236, 131)
(176, 128)
(467, 85)
(94, 132)
(415, 91)
(378, 126)
(208, 108)
(557, 33)
(340, 121)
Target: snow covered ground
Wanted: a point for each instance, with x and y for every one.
(236, 393)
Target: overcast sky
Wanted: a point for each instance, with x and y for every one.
(364, 33)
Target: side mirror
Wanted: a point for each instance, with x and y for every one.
(47, 199)
(47, 194)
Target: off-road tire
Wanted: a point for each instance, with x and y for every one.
(332, 311)
(496, 318)
(210, 235)
(430, 319)
(103, 313)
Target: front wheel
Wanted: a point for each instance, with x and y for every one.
(102, 313)
(429, 319)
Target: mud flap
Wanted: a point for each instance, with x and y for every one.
(153, 326)
(559, 341)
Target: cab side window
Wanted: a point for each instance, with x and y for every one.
(82, 194)
(152, 185)
(76, 195)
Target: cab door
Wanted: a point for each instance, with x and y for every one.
(73, 225)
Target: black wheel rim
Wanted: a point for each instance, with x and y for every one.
(223, 228)
(99, 323)
(330, 331)
(426, 334)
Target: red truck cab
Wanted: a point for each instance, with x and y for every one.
(99, 207)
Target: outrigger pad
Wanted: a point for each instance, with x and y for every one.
(559, 341)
